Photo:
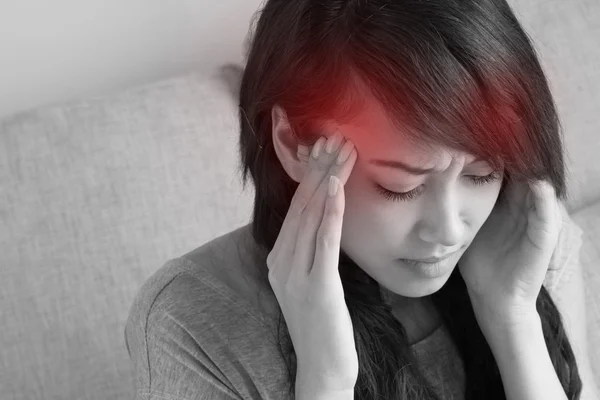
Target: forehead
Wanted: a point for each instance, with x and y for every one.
(376, 136)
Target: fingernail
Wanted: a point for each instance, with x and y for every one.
(344, 153)
(316, 150)
(333, 185)
(333, 142)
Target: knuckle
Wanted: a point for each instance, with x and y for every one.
(331, 210)
(326, 239)
(300, 205)
(320, 164)
(323, 163)
(310, 218)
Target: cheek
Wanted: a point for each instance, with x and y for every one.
(371, 220)
(486, 201)
(369, 234)
(359, 196)
(361, 212)
(365, 205)
(493, 194)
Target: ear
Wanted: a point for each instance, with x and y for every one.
(293, 158)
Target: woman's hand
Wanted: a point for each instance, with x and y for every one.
(304, 275)
(505, 265)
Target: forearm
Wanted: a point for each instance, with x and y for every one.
(524, 362)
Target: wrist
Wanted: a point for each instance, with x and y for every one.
(317, 388)
(511, 329)
(312, 394)
(506, 320)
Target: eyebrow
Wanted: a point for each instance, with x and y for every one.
(408, 168)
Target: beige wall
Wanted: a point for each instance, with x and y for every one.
(52, 51)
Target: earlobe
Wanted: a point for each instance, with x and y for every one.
(292, 157)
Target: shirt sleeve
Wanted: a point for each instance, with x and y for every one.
(178, 369)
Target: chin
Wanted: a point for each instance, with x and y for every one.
(421, 287)
(423, 290)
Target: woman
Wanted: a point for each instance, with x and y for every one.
(450, 147)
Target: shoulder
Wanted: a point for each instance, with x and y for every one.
(205, 284)
(234, 260)
(177, 344)
(185, 331)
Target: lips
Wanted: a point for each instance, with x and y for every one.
(432, 260)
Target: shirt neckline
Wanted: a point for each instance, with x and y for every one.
(428, 338)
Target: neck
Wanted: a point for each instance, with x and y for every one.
(417, 315)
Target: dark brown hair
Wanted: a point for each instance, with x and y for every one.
(456, 73)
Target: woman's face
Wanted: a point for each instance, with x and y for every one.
(441, 214)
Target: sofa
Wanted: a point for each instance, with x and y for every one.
(98, 193)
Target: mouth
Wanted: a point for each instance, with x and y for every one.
(432, 260)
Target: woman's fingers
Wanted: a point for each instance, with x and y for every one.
(329, 235)
(304, 251)
(306, 189)
(545, 201)
(548, 219)
(319, 165)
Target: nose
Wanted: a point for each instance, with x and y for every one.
(441, 223)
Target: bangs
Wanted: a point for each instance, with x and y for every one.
(434, 94)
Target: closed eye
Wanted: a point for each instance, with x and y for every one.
(407, 196)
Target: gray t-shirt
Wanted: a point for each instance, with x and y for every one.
(197, 330)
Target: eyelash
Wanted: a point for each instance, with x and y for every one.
(407, 196)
